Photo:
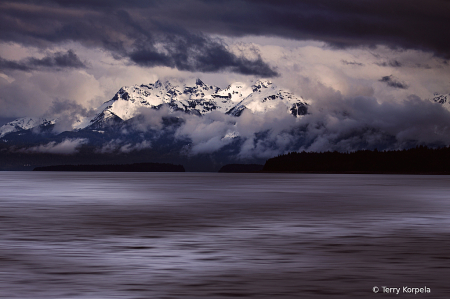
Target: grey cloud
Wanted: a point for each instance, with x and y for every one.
(68, 113)
(342, 124)
(110, 147)
(196, 52)
(334, 123)
(60, 106)
(13, 65)
(352, 63)
(146, 38)
(58, 61)
(346, 23)
(153, 119)
(206, 133)
(423, 66)
(145, 144)
(364, 123)
(177, 33)
(121, 146)
(66, 147)
(393, 82)
(392, 63)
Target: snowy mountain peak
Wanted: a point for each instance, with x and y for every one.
(236, 92)
(265, 99)
(259, 84)
(157, 84)
(24, 123)
(199, 82)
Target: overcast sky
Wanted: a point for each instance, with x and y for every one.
(59, 54)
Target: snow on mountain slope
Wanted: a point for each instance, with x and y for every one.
(193, 97)
(236, 92)
(443, 99)
(199, 98)
(266, 96)
(24, 123)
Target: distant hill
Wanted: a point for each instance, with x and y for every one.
(241, 168)
(137, 167)
(419, 160)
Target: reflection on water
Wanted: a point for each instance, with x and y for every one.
(203, 235)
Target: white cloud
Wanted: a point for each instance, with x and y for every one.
(121, 146)
(135, 147)
(66, 147)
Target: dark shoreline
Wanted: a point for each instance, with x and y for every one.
(357, 172)
(418, 160)
(136, 167)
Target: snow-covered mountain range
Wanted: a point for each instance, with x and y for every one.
(193, 98)
(195, 124)
(196, 98)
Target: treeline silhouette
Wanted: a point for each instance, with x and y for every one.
(136, 167)
(420, 159)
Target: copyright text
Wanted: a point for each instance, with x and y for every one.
(403, 290)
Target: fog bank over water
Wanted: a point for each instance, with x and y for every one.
(197, 235)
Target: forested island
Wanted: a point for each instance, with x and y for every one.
(418, 160)
(136, 167)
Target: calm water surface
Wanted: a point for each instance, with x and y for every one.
(207, 235)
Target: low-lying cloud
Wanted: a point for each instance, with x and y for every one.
(332, 124)
(66, 147)
(67, 113)
(122, 146)
(341, 124)
(364, 123)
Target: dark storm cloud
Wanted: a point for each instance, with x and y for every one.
(413, 24)
(393, 82)
(146, 39)
(198, 53)
(176, 33)
(58, 60)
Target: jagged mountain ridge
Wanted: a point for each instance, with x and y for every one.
(196, 98)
